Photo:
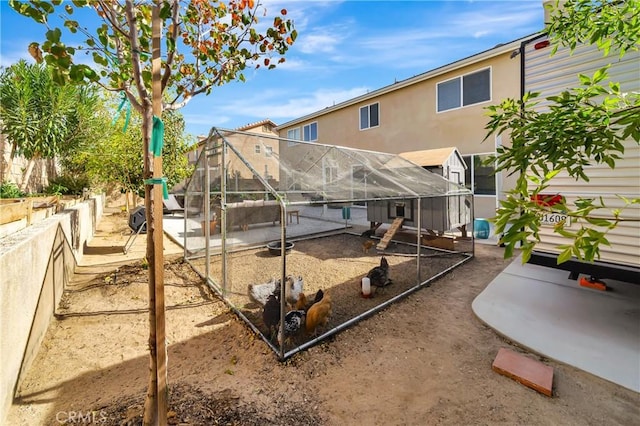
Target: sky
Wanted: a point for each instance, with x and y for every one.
(344, 49)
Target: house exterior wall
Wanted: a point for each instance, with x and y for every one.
(246, 147)
(409, 120)
(259, 160)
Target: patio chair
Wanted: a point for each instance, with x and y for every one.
(171, 205)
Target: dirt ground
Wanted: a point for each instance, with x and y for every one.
(424, 360)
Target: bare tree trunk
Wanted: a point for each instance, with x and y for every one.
(6, 173)
(131, 200)
(27, 174)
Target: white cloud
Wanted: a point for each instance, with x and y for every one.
(293, 64)
(203, 119)
(491, 19)
(278, 105)
(318, 43)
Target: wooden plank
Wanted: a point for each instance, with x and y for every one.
(384, 242)
(156, 229)
(446, 243)
(14, 211)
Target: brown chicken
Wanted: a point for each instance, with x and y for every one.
(367, 245)
(318, 314)
(301, 303)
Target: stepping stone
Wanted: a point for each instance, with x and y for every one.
(527, 371)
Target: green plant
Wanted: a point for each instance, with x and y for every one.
(68, 184)
(10, 190)
(56, 189)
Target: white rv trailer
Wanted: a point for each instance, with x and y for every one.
(550, 75)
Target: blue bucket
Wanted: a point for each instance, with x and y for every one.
(481, 229)
(346, 213)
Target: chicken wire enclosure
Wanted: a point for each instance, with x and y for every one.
(262, 210)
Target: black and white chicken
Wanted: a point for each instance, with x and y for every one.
(260, 292)
(293, 323)
(379, 275)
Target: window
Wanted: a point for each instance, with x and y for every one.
(256, 149)
(465, 90)
(480, 178)
(449, 95)
(369, 116)
(293, 134)
(268, 151)
(310, 132)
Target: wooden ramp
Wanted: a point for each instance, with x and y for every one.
(384, 242)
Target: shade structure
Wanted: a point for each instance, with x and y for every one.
(344, 209)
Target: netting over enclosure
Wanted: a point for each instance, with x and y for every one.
(262, 210)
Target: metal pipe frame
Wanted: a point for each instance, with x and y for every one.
(279, 350)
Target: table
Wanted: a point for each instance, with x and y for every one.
(291, 213)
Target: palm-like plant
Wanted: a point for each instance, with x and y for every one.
(40, 118)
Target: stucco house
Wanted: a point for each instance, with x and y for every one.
(440, 108)
(256, 153)
(257, 150)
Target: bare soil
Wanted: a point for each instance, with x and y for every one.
(423, 360)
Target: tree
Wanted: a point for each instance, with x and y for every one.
(582, 126)
(117, 158)
(206, 43)
(41, 118)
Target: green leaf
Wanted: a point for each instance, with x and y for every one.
(564, 256)
(527, 250)
(54, 35)
(508, 250)
(598, 222)
(165, 11)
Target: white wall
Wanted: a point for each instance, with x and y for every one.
(36, 264)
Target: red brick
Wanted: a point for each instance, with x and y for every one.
(527, 371)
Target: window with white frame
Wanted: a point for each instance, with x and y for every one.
(310, 132)
(268, 151)
(480, 178)
(369, 116)
(256, 149)
(293, 134)
(465, 90)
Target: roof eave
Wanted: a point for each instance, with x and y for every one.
(487, 54)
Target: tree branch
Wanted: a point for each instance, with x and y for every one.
(173, 36)
(135, 54)
(111, 17)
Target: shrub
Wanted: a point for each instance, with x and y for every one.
(68, 184)
(56, 189)
(10, 190)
